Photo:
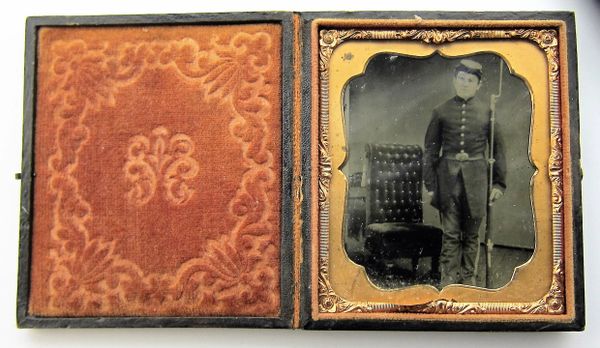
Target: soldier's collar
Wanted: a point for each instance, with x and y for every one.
(461, 100)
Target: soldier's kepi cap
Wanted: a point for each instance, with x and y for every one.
(469, 66)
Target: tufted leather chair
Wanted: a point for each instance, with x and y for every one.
(394, 216)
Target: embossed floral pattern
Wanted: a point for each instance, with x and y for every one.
(160, 161)
(237, 273)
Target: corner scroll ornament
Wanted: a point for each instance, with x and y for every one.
(554, 301)
(329, 301)
(545, 39)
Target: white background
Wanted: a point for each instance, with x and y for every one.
(11, 57)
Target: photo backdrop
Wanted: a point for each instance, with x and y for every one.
(392, 102)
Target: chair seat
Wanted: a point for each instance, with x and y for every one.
(398, 239)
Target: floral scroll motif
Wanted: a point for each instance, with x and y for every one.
(329, 301)
(547, 40)
(160, 160)
(238, 272)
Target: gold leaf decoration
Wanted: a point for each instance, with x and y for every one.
(547, 40)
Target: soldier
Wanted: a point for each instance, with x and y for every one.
(456, 173)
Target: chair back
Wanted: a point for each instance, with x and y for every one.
(394, 183)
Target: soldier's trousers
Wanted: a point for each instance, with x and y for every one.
(460, 241)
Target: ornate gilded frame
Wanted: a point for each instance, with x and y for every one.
(558, 304)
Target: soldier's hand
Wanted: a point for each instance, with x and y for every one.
(493, 100)
(495, 195)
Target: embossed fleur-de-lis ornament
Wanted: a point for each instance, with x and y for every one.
(160, 161)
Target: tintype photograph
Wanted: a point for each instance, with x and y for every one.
(438, 171)
(447, 174)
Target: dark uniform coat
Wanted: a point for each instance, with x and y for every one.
(460, 127)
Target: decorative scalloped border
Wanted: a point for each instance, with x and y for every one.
(551, 303)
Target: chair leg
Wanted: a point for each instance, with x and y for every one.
(435, 268)
(415, 265)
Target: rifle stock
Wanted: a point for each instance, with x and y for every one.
(489, 246)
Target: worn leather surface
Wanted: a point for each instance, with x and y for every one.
(158, 174)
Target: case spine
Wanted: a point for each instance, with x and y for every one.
(297, 155)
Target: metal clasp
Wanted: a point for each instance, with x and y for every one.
(463, 156)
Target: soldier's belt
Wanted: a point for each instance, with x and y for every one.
(463, 156)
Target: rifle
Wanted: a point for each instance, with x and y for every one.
(489, 244)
